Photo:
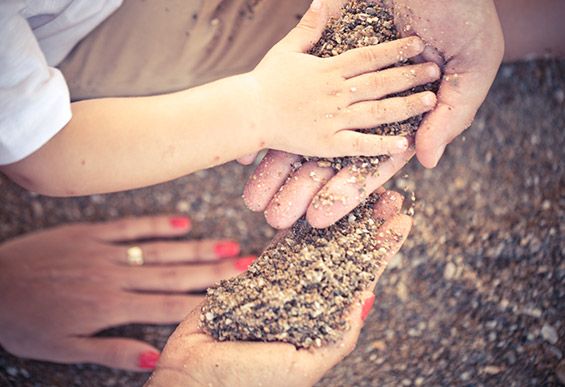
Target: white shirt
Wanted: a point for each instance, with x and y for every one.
(36, 35)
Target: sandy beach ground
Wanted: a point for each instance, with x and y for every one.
(477, 294)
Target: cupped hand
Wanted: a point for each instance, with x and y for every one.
(193, 358)
(62, 285)
(465, 38)
(312, 106)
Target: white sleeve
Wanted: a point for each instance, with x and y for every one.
(34, 98)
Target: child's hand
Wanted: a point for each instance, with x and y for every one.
(312, 106)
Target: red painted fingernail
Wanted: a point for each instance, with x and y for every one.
(180, 222)
(367, 305)
(148, 360)
(226, 249)
(242, 264)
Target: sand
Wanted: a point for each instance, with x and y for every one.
(300, 289)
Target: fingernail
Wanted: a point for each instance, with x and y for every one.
(402, 144)
(316, 4)
(242, 264)
(225, 249)
(438, 153)
(148, 360)
(367, 305)
(433, 71)
(429, 99)
(179, 222)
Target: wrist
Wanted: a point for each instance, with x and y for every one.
(257, 128)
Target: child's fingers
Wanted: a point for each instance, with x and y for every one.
(267, 179)
(141, 227)
(247, 159)
(308, 31)
(377, 85)
(347, 192)
(368, 114)
(292, 200)
(366, 59)
(351, 143)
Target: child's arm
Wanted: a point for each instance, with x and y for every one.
(292, 101)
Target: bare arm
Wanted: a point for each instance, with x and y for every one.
(113, 144)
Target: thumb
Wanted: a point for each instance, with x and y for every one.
(127, 354)
(309, 30)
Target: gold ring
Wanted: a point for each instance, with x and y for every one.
(135, 256)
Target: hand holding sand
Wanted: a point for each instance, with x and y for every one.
(322, 100)
(192, 356)
(285, 193)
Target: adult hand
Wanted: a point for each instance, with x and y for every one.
(61, 285)
(466, 39)
(193, 358)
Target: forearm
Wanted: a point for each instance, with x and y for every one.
(115, 144)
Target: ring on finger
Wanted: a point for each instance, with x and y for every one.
(135, 256)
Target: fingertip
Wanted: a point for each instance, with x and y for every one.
(276, 221)
(430, 158)
(147, 360)
(368, 302)
(180, 223)
(416, 45)
(316, 220)
(389, 205)
(429, 99)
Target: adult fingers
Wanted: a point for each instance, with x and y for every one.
(139, 308)
(308, 31)
(388, 205)
(346, 190)
(181, 278)
(166, 252)
(127, 354)
(459, 98)
(292, 200)
(352, 143)
(247, 159)
(368, 114)
(366, 59)
(377, 85)
(320, 360)
(142, 227)
(269, 176)
(390, 238)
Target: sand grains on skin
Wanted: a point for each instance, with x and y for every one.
(300, 289)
